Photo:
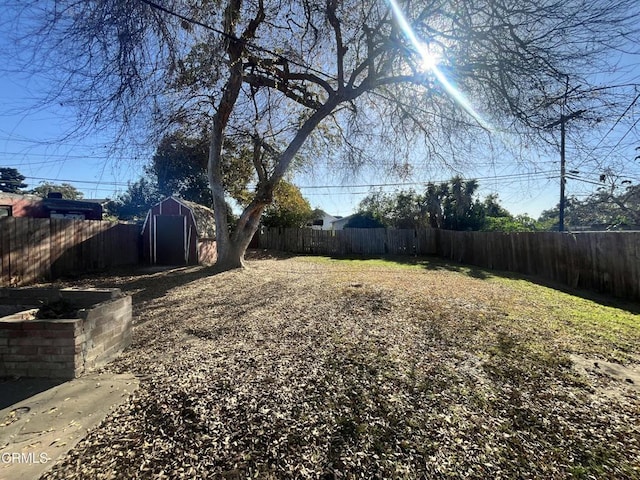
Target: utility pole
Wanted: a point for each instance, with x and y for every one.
(563, 169)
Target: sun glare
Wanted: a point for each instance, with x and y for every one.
(430, 61)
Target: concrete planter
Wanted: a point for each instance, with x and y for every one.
(61, 348)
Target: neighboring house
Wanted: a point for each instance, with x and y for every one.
(339, 223)
(321, 220)
(18, 205)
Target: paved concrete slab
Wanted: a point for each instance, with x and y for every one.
(37, 431)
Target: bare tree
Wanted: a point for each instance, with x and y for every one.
(281, 76)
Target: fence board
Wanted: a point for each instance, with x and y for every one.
(6, 224)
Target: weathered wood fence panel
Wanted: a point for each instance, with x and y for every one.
(36, 249)
(602, 261)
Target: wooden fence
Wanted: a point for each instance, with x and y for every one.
(352, 241)
(36, 249)
(602, 261)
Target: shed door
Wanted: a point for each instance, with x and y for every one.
(170, 239)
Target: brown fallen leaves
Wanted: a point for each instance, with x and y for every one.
(291, 369)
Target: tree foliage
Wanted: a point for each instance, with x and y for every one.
(613, 207)
(272, 75)
(510, 223)
(134, 204)
(451, 205)
(179, 167)
(11, 180)
(364, 220)
(67, 190)
(288, 209)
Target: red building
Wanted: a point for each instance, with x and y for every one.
(18, 205)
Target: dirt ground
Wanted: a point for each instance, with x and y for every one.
(307, 368)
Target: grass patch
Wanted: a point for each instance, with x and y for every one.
(600, 326)
(580, 325)
(398, 262)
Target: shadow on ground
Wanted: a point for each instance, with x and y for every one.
(146, 283)
(13, 391)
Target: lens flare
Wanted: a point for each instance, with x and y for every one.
(430, 61)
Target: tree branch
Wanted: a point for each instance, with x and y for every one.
(340, 48)
(304, 98)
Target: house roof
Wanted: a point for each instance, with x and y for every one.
(18, 196)
(63, 204)
(344, 219)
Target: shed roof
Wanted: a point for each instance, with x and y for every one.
(203, 217)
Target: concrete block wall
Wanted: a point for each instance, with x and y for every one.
(65, 348)
(107, 331)
(38, 348)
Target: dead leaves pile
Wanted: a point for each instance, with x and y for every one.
(280, 372)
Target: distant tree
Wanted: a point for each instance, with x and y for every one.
(459, 209)
(363, 220)
(400, 210)
(433, 197)
(509, 223)
(620, 197)
(498, 219)
(492, 207)
(408, 210)
(288, 209)
(451, 205)
(609, 207)
(67, 190)
(179, 167)
(379, 206)
(11, 180)
(136, 201)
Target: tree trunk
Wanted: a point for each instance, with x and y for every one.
(231, 248)
(232, 256)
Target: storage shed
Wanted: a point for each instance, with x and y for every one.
(178, 232)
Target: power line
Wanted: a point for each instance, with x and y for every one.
(619, 119)
(621, 139)
(93, 182)
(514, 176)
